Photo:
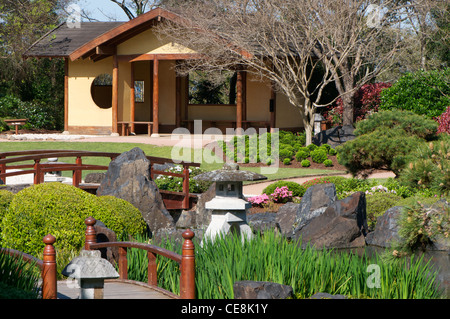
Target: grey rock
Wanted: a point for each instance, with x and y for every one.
(285, 218)
(94, 178)
(261, 222)
(128, 178)
(340, 226)
(314, 203)
(261, 290)
(335, 136)
(386, 230)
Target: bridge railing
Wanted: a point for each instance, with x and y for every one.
(13, 161)
(186, 260)
(47, 265)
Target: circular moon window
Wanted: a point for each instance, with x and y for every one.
(101, 91)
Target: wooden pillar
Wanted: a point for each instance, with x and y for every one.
(66, 94)
(115, 94)
(155, 96)
(273, 104)
(239, 100)
(132, 98)
(90, 235)
(187, 278)
(178, 101)
(186, 100)
(49, 282)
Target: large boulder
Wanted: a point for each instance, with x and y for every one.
(335, 136)
(128, 178)
(261, 290)
(261, 222)
(342, 225)
(285, 218)
(314, 203)
(386, 230)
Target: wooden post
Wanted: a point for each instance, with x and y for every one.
(132, 99)
(49, 283)
(37, 174)
(66, 94)
(115, 93)
(152, 277)
(239, 100)
(123, 263)
(156, 96)
(76, 176)
(273, 106)
(187, 278)
(178, 101)
(90, 235)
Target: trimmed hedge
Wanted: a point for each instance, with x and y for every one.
(60, 210)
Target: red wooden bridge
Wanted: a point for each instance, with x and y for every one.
(20, 162)
(119, 288)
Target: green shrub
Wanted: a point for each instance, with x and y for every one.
(418, 225)
(311, 147)
(306, 150)
(422, 92)
(319, 155)
(385, 140)
(287, 161)
(285, 153)
(175, 184)
(328, 163)
(296, 189)
(60, 210)
(332, 152)
(429, 167)
(5, 200)
(377, 204)
(326, 147)
(411, 124)
(301, 155)
(305, 163)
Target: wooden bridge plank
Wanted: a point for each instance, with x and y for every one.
(112, 290)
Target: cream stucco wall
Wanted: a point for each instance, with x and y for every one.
(82, 110)
(148, 43)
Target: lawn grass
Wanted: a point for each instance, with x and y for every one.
(150, 150)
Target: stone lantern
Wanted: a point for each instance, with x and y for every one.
(228, 207)
(91, 271)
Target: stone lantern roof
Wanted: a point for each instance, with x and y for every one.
(229, 173)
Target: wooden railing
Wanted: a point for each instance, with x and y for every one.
(186, 259)
(47, 266)
(39, 169)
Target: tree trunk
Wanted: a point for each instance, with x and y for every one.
(308, 120)
(348, 104)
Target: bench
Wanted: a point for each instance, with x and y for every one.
(16, 123)
(126, 126)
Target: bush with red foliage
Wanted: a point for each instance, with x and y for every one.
(367, 100)
(444, 122)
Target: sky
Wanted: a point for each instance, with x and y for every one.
(102, 10)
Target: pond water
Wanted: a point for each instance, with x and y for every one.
(440, 263)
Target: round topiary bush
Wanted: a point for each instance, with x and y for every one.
(305, 163)
(319, 155)
(287, 161)
(301, 155)
(296, 189)
(60, 210)
(328, 163)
